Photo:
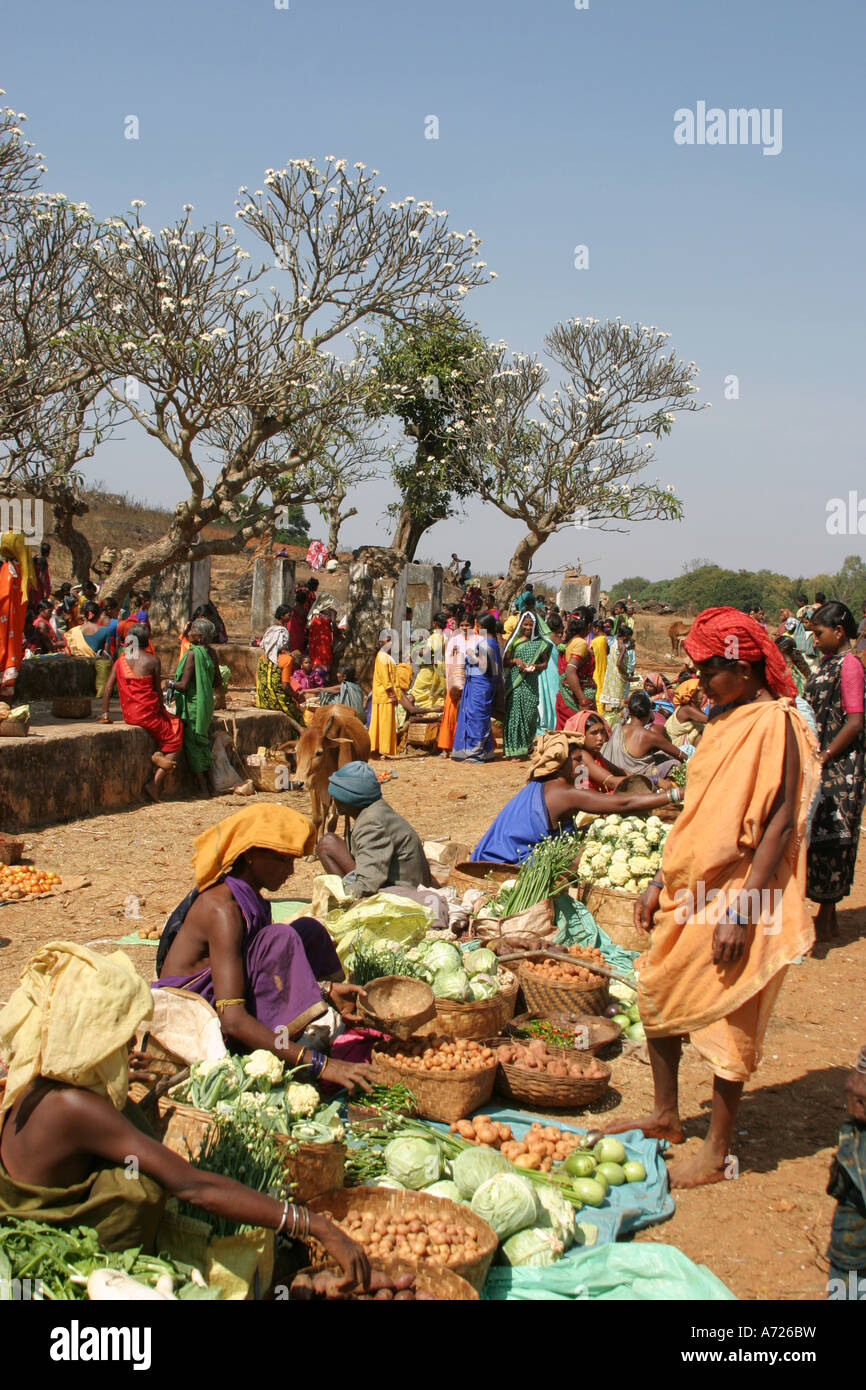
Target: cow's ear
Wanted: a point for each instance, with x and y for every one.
(345, 751)
(327, 727)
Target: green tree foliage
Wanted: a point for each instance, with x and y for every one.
(711, 586)
(419, 370)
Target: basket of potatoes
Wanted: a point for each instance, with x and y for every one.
(558, 1077)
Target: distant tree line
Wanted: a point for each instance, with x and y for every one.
(707, 585)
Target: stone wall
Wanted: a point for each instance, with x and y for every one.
(63, 774)
(424, 593)
(273, 585)
(377, 594)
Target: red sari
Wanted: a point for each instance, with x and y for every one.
(321, 641)
(140, 705)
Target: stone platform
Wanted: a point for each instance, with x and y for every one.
(67, 769)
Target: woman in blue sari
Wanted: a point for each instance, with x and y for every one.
(473, 739)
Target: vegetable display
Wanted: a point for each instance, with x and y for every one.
(24, 881)
(540, 1148)
(414, 1163)
(440, 964)
(411, 1235)
(60, 1262)
(396, 1098)
(260, 1088)
(238, 1149)
(553, 859)
(482, 1130)
(327, 1285)
(548, 1032)
(566, 971)
(538, 1058)
(623, 852)
(439, 1056)
(507, 1202)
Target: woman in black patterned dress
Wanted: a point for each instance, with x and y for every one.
(836, 694)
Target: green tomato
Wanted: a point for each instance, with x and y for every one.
(633, 1013)
(613, 1172)
(622, 1020)
(590, 1191)
(598, 1176)
(580, 1165)
(634, 1171)
(635, 1032)
(609, 1150)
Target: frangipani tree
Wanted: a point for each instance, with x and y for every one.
(248, 383)
(576, 456)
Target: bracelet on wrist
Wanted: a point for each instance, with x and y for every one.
(656, 883)
(860, 1064)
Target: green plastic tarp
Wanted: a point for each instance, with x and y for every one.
(628, 1272)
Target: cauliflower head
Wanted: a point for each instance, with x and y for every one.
(640, 865)
(619, 874)
(264, 1067)
(303, 1101)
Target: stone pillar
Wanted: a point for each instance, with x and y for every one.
(177, 592)
(376, 600)
(578, 591)
(273, 585)
(424, 593)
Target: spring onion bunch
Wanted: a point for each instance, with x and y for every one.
(539, 872)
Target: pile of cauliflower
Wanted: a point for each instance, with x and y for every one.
(623, 852)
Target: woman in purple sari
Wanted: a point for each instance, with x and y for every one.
(473, 739)
(268, 981)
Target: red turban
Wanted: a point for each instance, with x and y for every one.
(735, 636)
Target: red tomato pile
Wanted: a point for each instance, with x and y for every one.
(25, 881)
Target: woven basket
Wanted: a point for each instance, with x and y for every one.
(443, 1283)
(446, 1098)
(601, 1031)
(399, 1005)
(480, 1019)
(423, 734)
(547, 997)
(531, 1087)
(10, 849)
(313, 1169)
(384, 1201)
(72, 707)
(182, 1128)
(613, 910)
(485, 876)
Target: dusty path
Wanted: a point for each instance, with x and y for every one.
(764, 1233)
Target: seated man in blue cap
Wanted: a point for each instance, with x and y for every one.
(382, 849)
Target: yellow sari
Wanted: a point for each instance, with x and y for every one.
(383, 718)
(598, 647)
(733, 780)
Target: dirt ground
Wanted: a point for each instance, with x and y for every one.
(764, 1233)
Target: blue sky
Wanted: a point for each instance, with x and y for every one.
(555, 129)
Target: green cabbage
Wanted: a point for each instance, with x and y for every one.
(413, 1162)
(474, 1166)
(445, 1188)
(452, 984)
(483, 987)
(441, 955)
(534, 1246)
(507, 1202)
(556, 1214)
(481, 962)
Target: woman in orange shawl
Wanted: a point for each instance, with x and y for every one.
(455, 679)
(17, 577)
(727, 911)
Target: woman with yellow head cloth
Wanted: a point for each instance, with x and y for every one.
(553, 795)
(17, 578)
(73, 1150)
(268, 981)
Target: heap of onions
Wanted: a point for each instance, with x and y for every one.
(412, 1235)
(440, 1055)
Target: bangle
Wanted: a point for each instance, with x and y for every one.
(656, 883)
(284, 1218)
(860, 1064)
(316, 1063)
(299, 1060)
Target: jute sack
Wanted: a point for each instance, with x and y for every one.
(537, 921)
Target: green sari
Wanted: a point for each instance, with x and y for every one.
(195, 708)
(521, 698)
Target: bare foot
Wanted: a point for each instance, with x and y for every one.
(654, 1127)
(705, 1167)
(162, 760)
(150, 788)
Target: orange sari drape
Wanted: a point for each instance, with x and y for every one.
(733, 780)
(11, 622)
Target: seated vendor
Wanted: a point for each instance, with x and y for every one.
(382, 849)
(268, 981)
(74, 1151)
(638, 746)
(598, 772)
(551, 798)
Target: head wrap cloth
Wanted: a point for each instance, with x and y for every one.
(356, 784)
(734, 636)
(255, 827)
(550, 752)
(71, 1019)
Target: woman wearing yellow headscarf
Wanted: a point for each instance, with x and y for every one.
(17, 578)
(73, 1150)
